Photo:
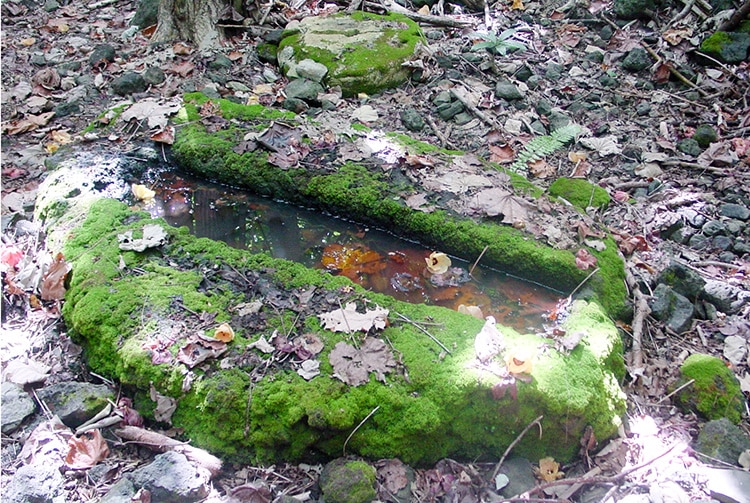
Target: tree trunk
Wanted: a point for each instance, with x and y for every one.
(191, 20)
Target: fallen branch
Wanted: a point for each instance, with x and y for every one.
(739, 15)
(424, 331)
(451, 22)
(162, 443)
(640, 312)
(458, 93)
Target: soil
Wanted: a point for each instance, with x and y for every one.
(575, 53)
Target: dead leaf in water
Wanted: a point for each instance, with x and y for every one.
(352, 262)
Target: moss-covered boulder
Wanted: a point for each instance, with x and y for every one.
(580, 193)
(729, 47)
(363, 52)
(348, 481)
(137, 314)
(715, 393)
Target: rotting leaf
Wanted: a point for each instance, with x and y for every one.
(86, 450)
(495, 201)
(224, 333)
(154, 236)
(53, 282)
(165, 406)
(393, 475)
(353, 366)
(488, 342)
(519, 361)
(584, 259)
(309, 369)
(252, 492)
(352, 261)
(348, 320)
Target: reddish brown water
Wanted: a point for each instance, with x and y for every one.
(375, 259)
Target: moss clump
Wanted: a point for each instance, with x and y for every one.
(715, 392)
(361, 65)
(728, 47)
(580, 193)
(231, 110)
(345, 481)
(705, 135)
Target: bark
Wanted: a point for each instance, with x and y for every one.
(194, 21)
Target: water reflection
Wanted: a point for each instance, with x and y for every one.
(375, 259)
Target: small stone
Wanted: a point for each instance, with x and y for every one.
(412, 120)
(345, 481)
(643, 108)
(690, 147)
(17, 406)
(442, 98)
(303, 89)
(720, 439)
(636, 60)
(129, 83)
(122, 492)
(273, 36)
(75, 402)
(713, 227)
(463, 118)
(101, 55)
(37, 482)
(705, 135)
(726, 297)
(507, 90)
(154, 76)
(733, 210)
(534, 82)
(606, 32)
(447, 111)
(220, 62)
(146, 13)
(309, 69)
(520, 473)
(674, 309)
(558, 120)
(698, 241)
(553, 71)
(172, 478)
(267, 52)
(607, 80)
(295, 105)
(632, 9)
(682, 280)
(523, 73)
(543, 107)
(727, 485)
(721, 242)
(67, 109)
(51, 5)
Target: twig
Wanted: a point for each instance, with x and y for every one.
(422, 329)
(392, 6)
(102, 3)
(674, 71)
(443, 140)
(460, 96)
(693, 165)
(474, 265)
(583, 282)
(684, 12)
(640, 312)
(691, 381)
(513, 444)
(368, 416)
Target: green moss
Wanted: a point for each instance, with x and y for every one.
(418, 147)
(580, 193)
(715, 393)
(345, 481)
(106, 118)
(231, 110)
(716, 42)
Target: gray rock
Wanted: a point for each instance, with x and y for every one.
(122, 492)
(442, 98)
(309, 69)
(102, 54)
(705, 135)
(520, 473)
(129, 83)
(727, 298)
(463, 118)
(51, 5)
(75, 402)
(534, 82)
(558, 120)
(728, 486)
(524, 73)
(146, 13)
(713, 227)
(689, 146)
(154, 76)
(607, 80)
(171, 478)
(699, 242)
(636, 60)
(508, 90)
(722, 242)
(675, 310)
(722, 440)
(729, 47)
(66, 109)
(733, 210)
(304, 89)
(682, 280)
(447, 111)
(220, 62)
(36, 483)
(345, 481)
(17, 406)
(553, 71)
(295, 105)
(412, 120)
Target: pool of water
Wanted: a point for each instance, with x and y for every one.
(373, 258)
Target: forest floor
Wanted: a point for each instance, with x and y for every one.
(572, 64)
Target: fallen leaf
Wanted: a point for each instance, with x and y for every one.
(438, 262)
(419, 202)
(53, 282)
(502, 154)
(365, 113)
(495, 201)
(153, 236)
(165, 136)
(165, 406)
(28, 123)
(181, 49)
(393, 475)
(10, 256)
(735, 349)
(183, 69)
(224, 333)
(141, 192)
(348, 320)
(606, 145)
(519, 361)
(86, 450)
(549, 470)
(309, 369)
(541, 168)
(262, 344)
(352, 261)
(22, 373)
(584, 259)
(353, 366)
(488, 342)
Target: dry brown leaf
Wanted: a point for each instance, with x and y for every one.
(165, 136)
(348, 320)
(502, 154)
(541, 168)
(224, 333)
(495, 201)
(584, 259)
(86, 450)
(29, 123)
(353, 366)
(181, 49)
(53, 283)
(393, 475)
(419, 202)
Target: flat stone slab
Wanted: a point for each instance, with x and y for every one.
(363, 52)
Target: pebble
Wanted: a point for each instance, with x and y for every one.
(733, 210)
(636, 60)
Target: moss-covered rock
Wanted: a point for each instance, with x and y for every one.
(705, 135)
(363, 52)
(715, 393)
(729, 47)
(348, 481)
(244, 406)
(580, 193)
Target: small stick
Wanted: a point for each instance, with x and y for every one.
(513, 444)
(583, 283)
(478, 259)
(425, 332)
(691, 381)
(368, 416)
